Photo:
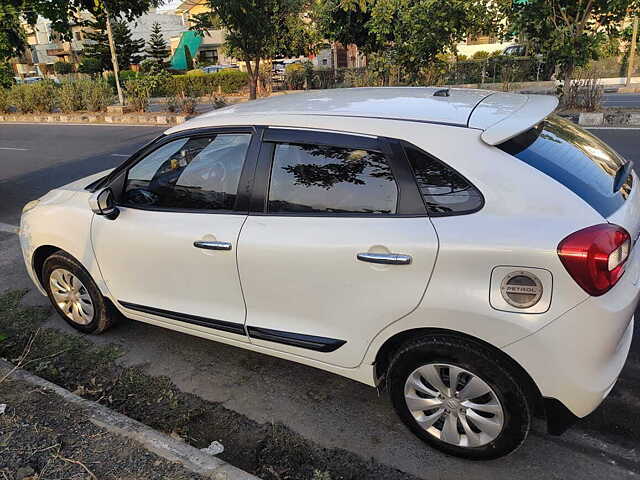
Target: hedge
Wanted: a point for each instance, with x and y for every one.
(228, 81)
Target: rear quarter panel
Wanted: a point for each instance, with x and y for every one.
(526, 214)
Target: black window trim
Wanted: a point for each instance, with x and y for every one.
(117, 179)
(409, 201)
(406, 144)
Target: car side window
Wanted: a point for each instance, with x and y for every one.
(445, 191)
(321, 179)
(197, 173)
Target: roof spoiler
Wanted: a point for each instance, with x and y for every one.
(503, 116)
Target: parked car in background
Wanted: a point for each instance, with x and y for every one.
(466, 250)
(217, 68)
(515, 51)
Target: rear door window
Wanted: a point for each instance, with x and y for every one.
(576, 159)
(323, 179)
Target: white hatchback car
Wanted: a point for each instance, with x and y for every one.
(466, 249)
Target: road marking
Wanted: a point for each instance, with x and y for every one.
(119, 155)
(5, 227)
(14, 148)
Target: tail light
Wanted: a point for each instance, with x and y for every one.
(595, 256)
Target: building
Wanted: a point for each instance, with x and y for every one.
(171, 24)
(47, 47)
(207, 49)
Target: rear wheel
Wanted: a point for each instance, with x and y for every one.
(456, 395)
(74, 294)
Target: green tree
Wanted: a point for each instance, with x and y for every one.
(415, 32)
(259, 29)
(62, 68)
(90, 66)
(346, 23)
(129, 50)
(6, 75)
(407, 33)
(569, 33)
(157, 48)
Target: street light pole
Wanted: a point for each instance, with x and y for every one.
(632, 52)
(114, 58)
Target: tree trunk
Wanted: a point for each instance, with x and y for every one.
(254, 74)
(568, 73)
(114, 58)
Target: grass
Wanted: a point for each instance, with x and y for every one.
(271, 451)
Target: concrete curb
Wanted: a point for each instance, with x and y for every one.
(152, 440)
(97, 118)
(613, 118)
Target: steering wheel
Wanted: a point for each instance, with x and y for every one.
(140, 196)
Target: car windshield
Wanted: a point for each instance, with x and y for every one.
(576, 159)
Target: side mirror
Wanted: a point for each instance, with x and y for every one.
(103, 203)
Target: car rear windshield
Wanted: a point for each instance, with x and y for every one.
(576, 159)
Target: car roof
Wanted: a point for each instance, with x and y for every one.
(461, 107)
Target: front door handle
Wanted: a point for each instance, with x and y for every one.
(385, 258)
(212, 245)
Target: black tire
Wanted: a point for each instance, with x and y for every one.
(103, 316)
(481, 361)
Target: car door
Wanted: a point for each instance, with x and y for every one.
(337, 244)
(171, 252)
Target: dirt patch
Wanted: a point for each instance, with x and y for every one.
(42, 438)
(271, 451)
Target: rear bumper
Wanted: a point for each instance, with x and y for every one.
(577, 358)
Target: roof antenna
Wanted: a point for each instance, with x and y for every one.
(443, 92)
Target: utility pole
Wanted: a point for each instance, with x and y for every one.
(632, 52)
(114, 57)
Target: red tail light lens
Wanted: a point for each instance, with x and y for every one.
(595, 256)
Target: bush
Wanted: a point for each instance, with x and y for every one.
(97, 95)
(480, 55)
(182, 103)
(69, 97)
(62, 68)
(36, 97)
(151, 66)
(6, 75)
(294, 76)
(226, 81)
(139, 91)
(4, 100)
(90, 66)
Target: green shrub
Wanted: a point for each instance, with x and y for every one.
(36, 97)
(4, 100)
(182, 103)
(480, 55)
(6, 75)
(69, 97)
(90, 66)
(139, 91)
(84, 94)
(195, 73)
(294, 76)
(225, 81)
(97, 95)
(62, 68)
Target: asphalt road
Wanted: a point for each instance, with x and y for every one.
(327, 409)
(628, 100)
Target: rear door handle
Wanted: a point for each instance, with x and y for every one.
(385, 258)
(212, 245)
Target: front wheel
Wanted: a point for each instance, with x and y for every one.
(456, 395)
(74, 294)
